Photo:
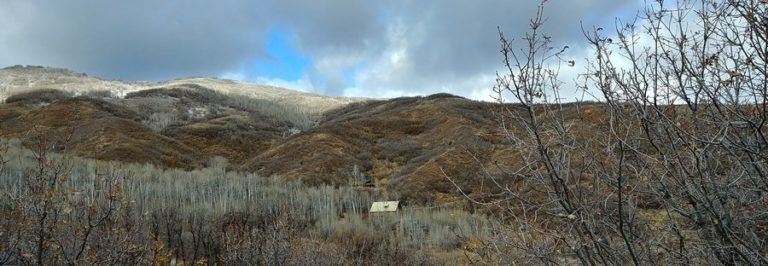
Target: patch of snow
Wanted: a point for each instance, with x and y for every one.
(14, 80)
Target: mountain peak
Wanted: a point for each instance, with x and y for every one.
(20, 78)
(38, 70)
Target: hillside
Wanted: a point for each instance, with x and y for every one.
(95, 129)
(17, 79)
(402, 142)
(408, 145)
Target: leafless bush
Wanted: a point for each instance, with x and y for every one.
(48, 221)
(669, 167)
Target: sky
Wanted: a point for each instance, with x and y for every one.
(373, 48)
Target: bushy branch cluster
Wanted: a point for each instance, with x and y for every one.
(669, 166)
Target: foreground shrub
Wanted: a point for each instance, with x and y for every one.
(677, 173)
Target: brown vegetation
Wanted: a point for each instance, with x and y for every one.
(406, 143)
(96, 129)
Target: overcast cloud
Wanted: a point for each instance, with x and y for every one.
(353, 48)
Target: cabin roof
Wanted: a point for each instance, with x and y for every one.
(385, 206)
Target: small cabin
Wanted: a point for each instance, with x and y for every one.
(385, 206)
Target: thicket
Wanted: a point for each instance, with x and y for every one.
(57, 209)
(669, 167)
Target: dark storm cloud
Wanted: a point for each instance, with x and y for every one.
(439, 45)
(463, 39)
(456, 40)
(375, 48)
(328, 25)
(131, 39)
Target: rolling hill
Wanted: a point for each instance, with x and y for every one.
(407, 144)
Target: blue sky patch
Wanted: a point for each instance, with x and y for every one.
(285, 61)
(350, 73)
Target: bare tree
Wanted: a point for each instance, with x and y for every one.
(54, 217)
(668, 167)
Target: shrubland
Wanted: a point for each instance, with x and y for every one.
(60, 209)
